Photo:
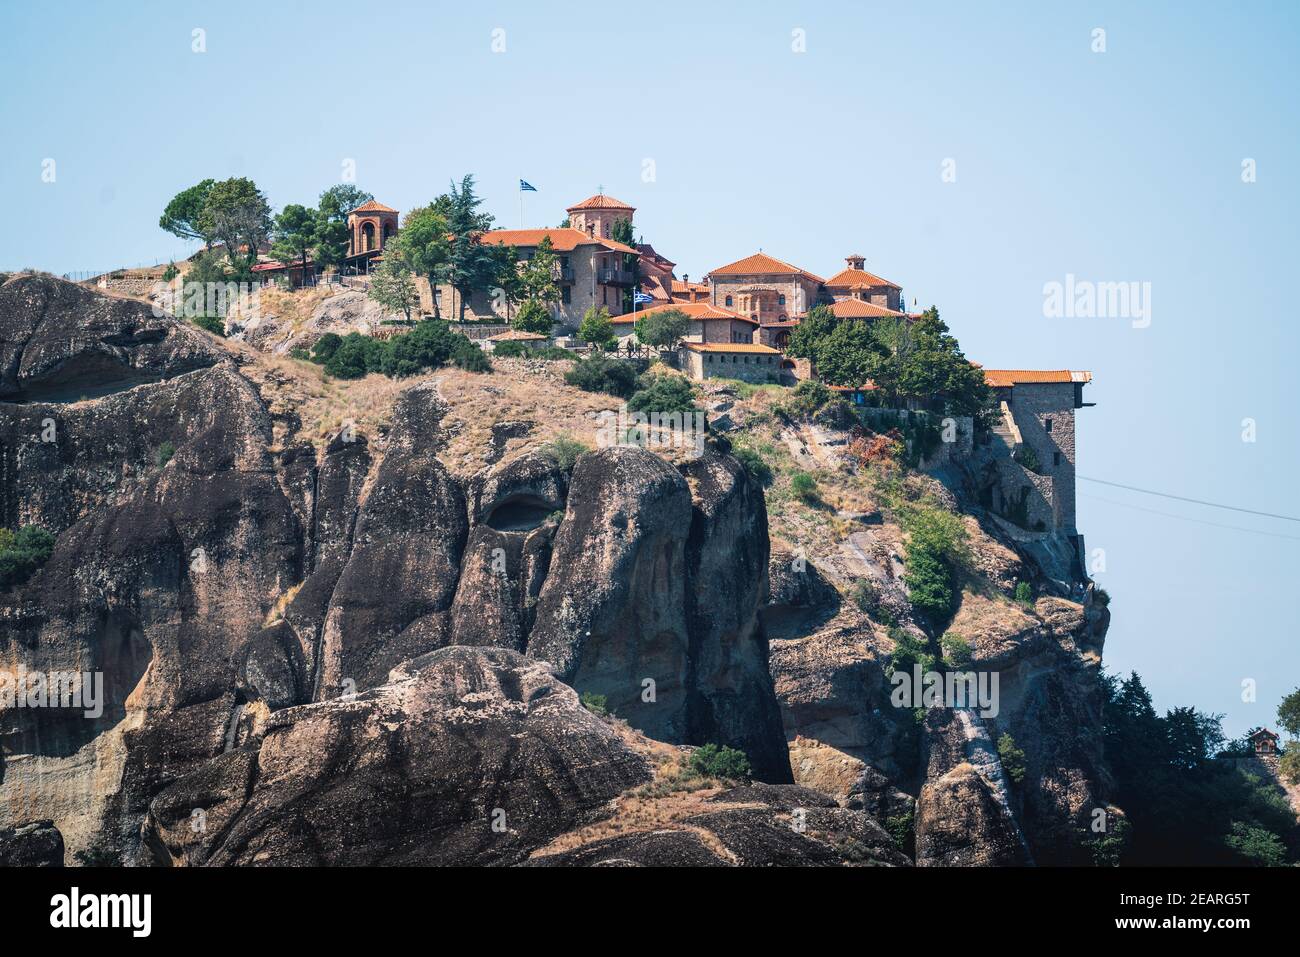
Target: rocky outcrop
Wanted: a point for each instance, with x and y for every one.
(38, 844)
(465, 756)
(752, 826)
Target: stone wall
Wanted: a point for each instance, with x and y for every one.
(800, 295)
(757, 368)
(1044, 413)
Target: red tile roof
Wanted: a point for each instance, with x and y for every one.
(562, 240)
(860, 309)
(761, 264)
(851, 278)
(1002, 378)
(601, 201)
(374, 207)
(731, 347)
(699, 311)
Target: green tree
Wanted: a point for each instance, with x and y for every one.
(295, 235)
(1012, 758)
(937, 367)
(332, 236)
(601, 373)
(894, 345)
(22, 552)
(1288, 714)
(712, 761)
(337, 201)
(533, 317)
(472, 265)
(666, 394)
(424, 245)
(662, 328)
(238, 215)
(537, 276)
(392, 285)
(184, 215)
(846, 356)
(596, 327)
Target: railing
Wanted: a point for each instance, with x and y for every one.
(615, 277)
(563, 273)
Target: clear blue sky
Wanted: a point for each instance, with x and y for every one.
(1123, 165)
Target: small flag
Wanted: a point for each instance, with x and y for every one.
(641, 298)
(524, 185)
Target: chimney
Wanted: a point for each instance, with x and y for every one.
(855, 261)
(686, 278)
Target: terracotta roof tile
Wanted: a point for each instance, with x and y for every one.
(373, 207)
(562, 240)
(748, 347)
(761, 264)
(600, 201)
(700, 311)
(1002, 378)
(859, 309)
(850, 278)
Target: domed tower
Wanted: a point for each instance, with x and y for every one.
(370, 226)
(597, 215)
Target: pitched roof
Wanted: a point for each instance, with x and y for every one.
(860, 309)
(749, 347)
(601, 201)
(562, 240)
(761, 264)
(679, 286)
(1002, 378)
(373, 207)
(851, 278)
(699, 311)
(516, 335)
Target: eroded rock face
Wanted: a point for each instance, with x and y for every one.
(416, 771)
(38, 844)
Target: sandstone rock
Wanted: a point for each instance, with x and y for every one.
(413, 772)
(37, 844)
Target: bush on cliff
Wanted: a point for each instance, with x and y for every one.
(936, 551)
(22, 552)
(712, 761)
(603, 374)
(665, 394)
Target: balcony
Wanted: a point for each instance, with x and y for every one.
(614, 277)
(563, 273)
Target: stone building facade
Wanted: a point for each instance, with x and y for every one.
(597, 215)
(855, 283)
(708, 323)
(1038, 425)
(370, 226)
(765, 289)
(750, 362)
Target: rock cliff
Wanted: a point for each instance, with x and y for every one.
(368, 645)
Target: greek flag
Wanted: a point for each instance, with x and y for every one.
(524, 185)
(641, 298)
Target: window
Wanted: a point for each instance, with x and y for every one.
(728, 300)
(1047, 423)
(1056, 458)
(437, 298)
(781, 300)
(607, 230)
(564, 294)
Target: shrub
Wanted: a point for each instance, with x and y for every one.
(956, 650)
(597, 704)
(1256, 846)
(298, 352)
(809, 396)
(900, 827)
(720, 762)
(663, 393)
(1024, 593)
(754, 464)
(325, 347)
(603, 374)
(22, 552)
(210, 323)
(936, 549)
(466, 355)
(165, 453)
(1101, 595)
(511, 349)
(1012, 758)
(1290, 763)
(355, 356)
(564, 450)
(1029, 459)
(865, 595)
(909, 650)
(170, 273)
(804, 486)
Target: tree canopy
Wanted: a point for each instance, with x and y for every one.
(184, 215)
(662, 328)
(239, 217)
(596, 327)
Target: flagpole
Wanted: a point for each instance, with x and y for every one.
(521, 204)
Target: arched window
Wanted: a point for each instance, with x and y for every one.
(728, 300)
(367, 237)
(781, 300)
